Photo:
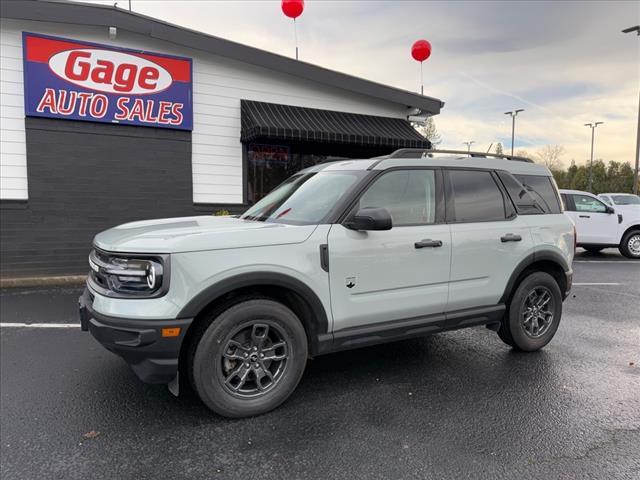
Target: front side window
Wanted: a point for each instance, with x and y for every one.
(476, 196)
(303, 199)
(408, 195)
(585, 203)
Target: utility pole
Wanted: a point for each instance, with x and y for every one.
(513, 114)
(592, 126)
(635, 176)
(468, 144)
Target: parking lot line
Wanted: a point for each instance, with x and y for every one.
(607, 261)
(578, 284)
(39, 325)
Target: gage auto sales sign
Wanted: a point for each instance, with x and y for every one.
(98, 83)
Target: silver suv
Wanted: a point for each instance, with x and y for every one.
(341, 255)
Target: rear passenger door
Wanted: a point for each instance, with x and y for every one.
(488, 239)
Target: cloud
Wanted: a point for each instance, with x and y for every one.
(566, 63)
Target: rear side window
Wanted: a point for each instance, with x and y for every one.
(542, 190)
(476, 196)
(524, 202)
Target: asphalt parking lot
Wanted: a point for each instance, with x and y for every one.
(454, 405)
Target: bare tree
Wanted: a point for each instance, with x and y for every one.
(522, 153)
(429, 131)
(550, 155)
(499, 149)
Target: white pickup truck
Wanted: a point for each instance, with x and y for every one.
(599, 225)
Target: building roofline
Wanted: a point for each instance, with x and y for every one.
(109, 16)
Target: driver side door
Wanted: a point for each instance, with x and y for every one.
(402, 273)
(594, 223)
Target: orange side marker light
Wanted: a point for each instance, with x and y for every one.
(171, 332)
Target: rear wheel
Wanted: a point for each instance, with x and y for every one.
(630, 245)
(249, 359)
(533, 315)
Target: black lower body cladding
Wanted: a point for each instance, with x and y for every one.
(152, 356)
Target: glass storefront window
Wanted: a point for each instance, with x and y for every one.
(270, 165)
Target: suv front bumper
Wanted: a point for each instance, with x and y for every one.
(152, 356)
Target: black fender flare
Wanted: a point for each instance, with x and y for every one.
(319, 326)
(543, 255)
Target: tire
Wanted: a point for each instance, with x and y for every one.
(593, 249)
(218, 368)
(520, 334)
(630, 245)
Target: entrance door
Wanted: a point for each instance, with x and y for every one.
(379, 276)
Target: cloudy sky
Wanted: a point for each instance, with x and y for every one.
(565, 63)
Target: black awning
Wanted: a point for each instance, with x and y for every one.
(284, 122)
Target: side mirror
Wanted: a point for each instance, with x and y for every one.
(371, 218)
(610, 209)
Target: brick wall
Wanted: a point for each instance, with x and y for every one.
(86, 177)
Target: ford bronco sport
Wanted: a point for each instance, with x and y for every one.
(341, 255)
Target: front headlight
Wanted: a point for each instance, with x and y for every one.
(125, 275)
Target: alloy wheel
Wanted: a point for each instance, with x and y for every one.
(537, 312)
(254, 359)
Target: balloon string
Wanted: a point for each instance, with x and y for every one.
(295, 33)
(421, 80)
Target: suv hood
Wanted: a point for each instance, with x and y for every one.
(189, 234)
(629, 212)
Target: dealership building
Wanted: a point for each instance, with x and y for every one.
(109, 116)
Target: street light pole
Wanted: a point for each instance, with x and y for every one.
(593, 131)
(636, 180)
(468, 144)
(513, 114)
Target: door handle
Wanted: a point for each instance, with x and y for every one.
(585, 216)
(510, 237)
(428, 243)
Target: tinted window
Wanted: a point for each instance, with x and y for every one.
(585, 203)
(542, 190)
(409, 195)
(524, 202)
(476, 196)
(565, 201)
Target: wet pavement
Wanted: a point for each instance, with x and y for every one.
(459, 404)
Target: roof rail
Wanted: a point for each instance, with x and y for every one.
(422, 153)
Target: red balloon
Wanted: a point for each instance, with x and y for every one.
(421, 50)
(292, 8)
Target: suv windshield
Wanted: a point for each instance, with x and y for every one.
(626, 199)
(304, 198)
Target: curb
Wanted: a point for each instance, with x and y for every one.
(24, 282)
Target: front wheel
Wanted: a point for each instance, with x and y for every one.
(533, 315)
(630, 245)
(249, 359)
